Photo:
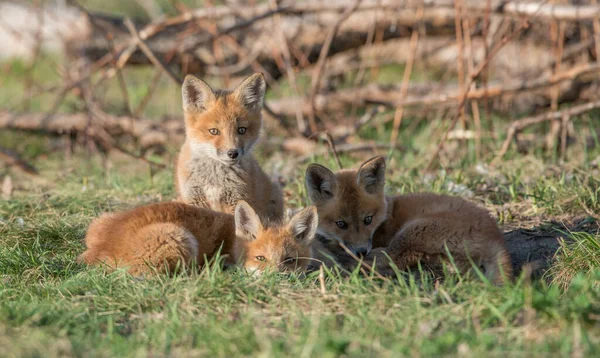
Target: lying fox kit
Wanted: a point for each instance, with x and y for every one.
(215, 168)
(168, 236)
(411, 229)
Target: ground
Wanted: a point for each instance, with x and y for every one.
(52, 306)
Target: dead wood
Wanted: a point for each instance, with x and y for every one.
(422, 96)
(148, 134)
(565, 115)
(13, 159)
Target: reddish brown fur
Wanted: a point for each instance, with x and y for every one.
(414, 228)
(165, 236)
(279, 248)
(202, 163)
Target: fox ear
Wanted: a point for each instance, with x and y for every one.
(304, 225)
(251, 92)
(247, 222)
(371, 175)
(197, 94)
(321, 184)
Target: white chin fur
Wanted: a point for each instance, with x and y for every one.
(253, 270)
(204, 149)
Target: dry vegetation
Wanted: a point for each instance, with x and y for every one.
(496, 101)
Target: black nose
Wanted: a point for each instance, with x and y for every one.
(363, 251)
(233, 153)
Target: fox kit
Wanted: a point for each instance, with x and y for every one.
(166, 236)
(215, 167)
(411, 229)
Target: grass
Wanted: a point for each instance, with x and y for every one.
(66, 309)
(52, 306)
(582, 254)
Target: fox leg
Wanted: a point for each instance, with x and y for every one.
(429, 240)
(424, 241)
(165, 247)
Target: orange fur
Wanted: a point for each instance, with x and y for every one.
(167, 236)
(411, 229)
(218, 122)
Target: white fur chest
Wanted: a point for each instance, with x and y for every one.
(214, 185)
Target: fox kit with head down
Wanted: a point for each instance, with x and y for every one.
(411, 229)
(168, 236)
(215, 167)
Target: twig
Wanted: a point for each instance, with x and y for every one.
(558, 37)
(333, 150)
(13, 159)
(142, 45)
(473, 76)
(316, 78)
(366, 118)
(414, 40)
(470, 65)
(287, 60)
(363, 264)
(518, 125)
(350, 148)
(460, 61)
(37, 50)
(148, 96)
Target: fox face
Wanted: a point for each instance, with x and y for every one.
(351, 204)
(223, 125)
(284, 248)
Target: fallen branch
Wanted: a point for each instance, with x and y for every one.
(149, 134)
(13, 159)
(520, 124)
(390, 95)
(317, 74)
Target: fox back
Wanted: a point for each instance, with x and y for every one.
(168, 236)
(411, 229)
(215, 167)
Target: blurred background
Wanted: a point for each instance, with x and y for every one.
(431, 84)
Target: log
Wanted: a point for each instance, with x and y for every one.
(148, 133)
(421, 94)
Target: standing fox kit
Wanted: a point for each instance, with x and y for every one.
(411, 229)
(166, 236)
(215, 168)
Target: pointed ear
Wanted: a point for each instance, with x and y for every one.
(251, 92)
(197, 94)
(247, 222)
(304, 225)
(371, 175)
(321, 184)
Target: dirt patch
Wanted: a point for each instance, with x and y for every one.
(535, 247)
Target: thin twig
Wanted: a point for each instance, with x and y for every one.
(473, 77)
(331, 144)
(13, 159)
(363, 264)
(287, 61)
(518, 125)
(460, 61)
(471, 64)
(148, 52)
(414, 40)
(317, 74)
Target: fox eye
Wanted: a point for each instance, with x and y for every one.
(260, 258)
(242, 130)
(341, 224)
(368, 220)
(213, 131)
